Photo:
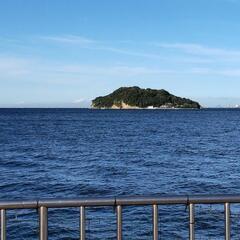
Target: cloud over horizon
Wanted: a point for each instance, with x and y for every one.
(150, 61)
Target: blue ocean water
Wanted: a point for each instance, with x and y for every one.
(68, 153)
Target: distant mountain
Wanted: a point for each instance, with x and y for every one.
(135, 97)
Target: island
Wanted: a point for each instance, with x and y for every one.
(139, 98)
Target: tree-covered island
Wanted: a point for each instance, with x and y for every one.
(135, 97)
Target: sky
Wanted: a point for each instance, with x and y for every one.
(64, 53)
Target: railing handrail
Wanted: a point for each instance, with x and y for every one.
(121, 200)
(118, 202)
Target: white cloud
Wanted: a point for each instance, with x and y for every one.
(20, 103)
(232, 1)
(80, 100)
(219, 72)
(13, 66)
(40, 71)
(53, 71)
(197, 49)
(197, 53)
(110, 70)
(96, 45)
(69, 39)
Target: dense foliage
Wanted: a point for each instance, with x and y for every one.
(143, 98)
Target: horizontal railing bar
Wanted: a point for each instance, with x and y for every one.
(114, 201)
(26, 204)
(214, 199)
(151, 200)
(86, 202)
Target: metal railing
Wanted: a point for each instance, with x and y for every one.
(119, 202)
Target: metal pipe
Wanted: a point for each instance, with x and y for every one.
(191, 221)
(227, 221)
(156, 200)
(118, 200)
(82, 223)
(86, 202)
(3, 224)
(119, 222)
(26, 204)
(150, 200)
(43, 222)
(155, 222)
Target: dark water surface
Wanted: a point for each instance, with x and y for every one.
(78, 152)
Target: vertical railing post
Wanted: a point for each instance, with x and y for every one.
(227, 221)
(3, 224)
(82, 223)
(43, 222)
(119, 222)
(155, 222)
(191, 221)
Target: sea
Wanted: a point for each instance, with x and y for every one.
(74, 153)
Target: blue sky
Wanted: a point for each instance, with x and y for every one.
(67, 52)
